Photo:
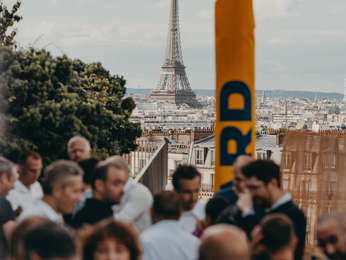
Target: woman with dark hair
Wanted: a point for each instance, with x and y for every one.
(112, 240)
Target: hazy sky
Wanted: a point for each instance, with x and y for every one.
(300, 44)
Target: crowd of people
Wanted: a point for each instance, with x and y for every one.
(82, 208)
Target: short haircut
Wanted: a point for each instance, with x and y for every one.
(184, 172)
(101, 171)
(263, 170)
(214, 208)
(277, 231)
(76, 139)
(49, 241)
(25, 156)
(59, 172)
(89, 167)
(167, 205)
(122, 233)
(6, 167)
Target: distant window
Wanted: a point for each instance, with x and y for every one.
(307, 161)
(287, 160)
(212, 157)
(329, 161)
(199, 157)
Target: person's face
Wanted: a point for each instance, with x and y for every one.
(189, 191)
(78, 151)
(30, 171)
(7, 183)
(239, 180)
(328, 237)
(110, 249)
(259, 192)
(68, 194)
(114, 184)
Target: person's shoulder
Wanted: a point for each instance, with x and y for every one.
(37, 186)
(6, 208)
(141, 191)
(199, 209)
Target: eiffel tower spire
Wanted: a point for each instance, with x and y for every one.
(174, 86)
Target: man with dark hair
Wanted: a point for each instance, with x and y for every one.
(187, 182)
(27, 190)
(331, 232)
(274, 238)
(213, 209)
(263, 182)
(166, 239)
(62, 186)
(108, 187)
(49, 241)
(8, 177)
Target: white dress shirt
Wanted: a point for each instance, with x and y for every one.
(42, 209)
(135, 205)
(166, 240)
(189, 219)
(21, 196)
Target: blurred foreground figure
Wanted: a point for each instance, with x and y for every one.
(8, 177)
(224, 242)
(62, 186)
(49, 241)
(166, 239)
(187, 182)
(18, 234)
(331, 236)
(27, 190)
(112, 240)
(274, 239)
(78, 149)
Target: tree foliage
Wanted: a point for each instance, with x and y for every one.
(50, 99)
(8, 19)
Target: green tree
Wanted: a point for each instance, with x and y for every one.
(8, 19)
(52, 99)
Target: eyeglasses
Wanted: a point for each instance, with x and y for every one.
(333, 240)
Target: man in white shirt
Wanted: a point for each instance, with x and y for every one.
(186, 182)
(62, 186)
(166, 239)
(27, 190)
(136, 201)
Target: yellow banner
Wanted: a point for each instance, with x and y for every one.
(235, 91)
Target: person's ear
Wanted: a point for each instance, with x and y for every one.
(57, 190)
(293, 243)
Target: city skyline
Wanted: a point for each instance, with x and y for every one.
(296, 48)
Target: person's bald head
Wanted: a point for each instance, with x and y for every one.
(224, 242)
(239, 178)
(331, 235)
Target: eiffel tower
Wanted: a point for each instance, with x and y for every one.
(174, 86)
